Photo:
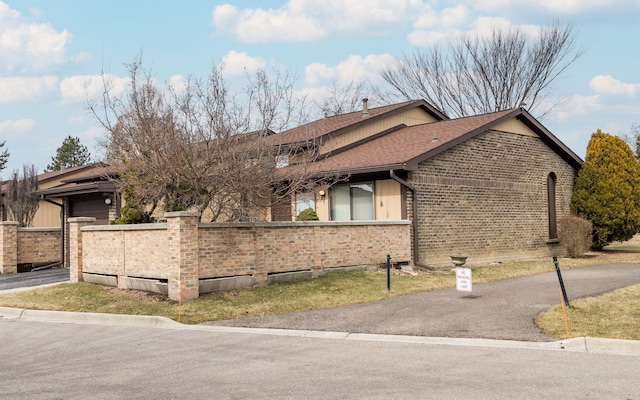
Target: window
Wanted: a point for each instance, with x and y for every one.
(352, 201)
(551, 206)
(304, 201)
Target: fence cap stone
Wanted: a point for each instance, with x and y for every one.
(81, 219)
(175, 214)
(9, 223)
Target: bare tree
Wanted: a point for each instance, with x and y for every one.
(342, 99)
(4, 156)
(21, 202)
(200, 146)
(632, 138)
(477, 74)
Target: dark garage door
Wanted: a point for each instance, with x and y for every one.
(89, 205)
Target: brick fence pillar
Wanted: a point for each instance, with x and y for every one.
(8, 247)
(75, 246)
(182, 231)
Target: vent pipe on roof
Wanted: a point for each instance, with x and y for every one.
(435, 136)
(365, 108)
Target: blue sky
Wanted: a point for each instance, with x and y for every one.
(52, 52)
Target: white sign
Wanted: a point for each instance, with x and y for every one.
(463, 279)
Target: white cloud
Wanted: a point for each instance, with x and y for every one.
(76, 120)
(91, 134)
(577, 105)
(451, 23)
(258, 25)
(79, 87)
(20, 125)
(238, 63)
(308, 20)
(25, 88)
(433, 26)
(606, 84)
(26, 46)
(178, 83)
(354, 68)
(566, 7)
(578, 6)
(426, 38)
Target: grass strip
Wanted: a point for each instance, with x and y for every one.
(329, 290)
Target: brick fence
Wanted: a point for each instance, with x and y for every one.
(27, 246)
(183, 258)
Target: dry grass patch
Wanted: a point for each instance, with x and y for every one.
(613, 315)
(330, 290)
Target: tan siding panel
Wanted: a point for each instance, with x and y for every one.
(322, 206)
(388, 200)
(48, 215)
(414, 116)
(514, 125)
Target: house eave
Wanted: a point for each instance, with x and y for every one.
(368, 170)
(85, 188)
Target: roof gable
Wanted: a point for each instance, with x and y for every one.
(405, 147)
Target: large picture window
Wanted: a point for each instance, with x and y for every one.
(352, 201)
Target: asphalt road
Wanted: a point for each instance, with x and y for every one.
(497, 310)
(33, 278)
(55, 355)
(96, 358)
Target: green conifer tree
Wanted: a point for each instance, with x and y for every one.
(607, 190)
(71, 153)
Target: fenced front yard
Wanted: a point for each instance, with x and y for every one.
(183, 258)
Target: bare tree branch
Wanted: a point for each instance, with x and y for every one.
(22, 203)
(475, 74)
(202, 147)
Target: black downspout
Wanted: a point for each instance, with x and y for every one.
(61, 229)
(416, 257)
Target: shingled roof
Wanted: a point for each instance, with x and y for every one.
(403, 147)
(338, 124)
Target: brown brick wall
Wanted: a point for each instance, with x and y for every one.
(225, 250)
(38, 245)
(487, 197)
(283, 247)
(132, 250)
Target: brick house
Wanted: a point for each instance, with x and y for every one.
(491, 186)
(81, 191)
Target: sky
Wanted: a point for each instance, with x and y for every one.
(52, 53)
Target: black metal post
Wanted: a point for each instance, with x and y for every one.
(388, 273)
(564, 292)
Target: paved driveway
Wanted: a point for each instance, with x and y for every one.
(496, 310)
(33, 278)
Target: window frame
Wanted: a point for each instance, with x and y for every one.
(351, 186)
(552, 182)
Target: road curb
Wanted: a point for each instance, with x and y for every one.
(87, 318)
(579, 344)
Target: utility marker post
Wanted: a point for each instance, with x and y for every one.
(564, 292)
(388, 272)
